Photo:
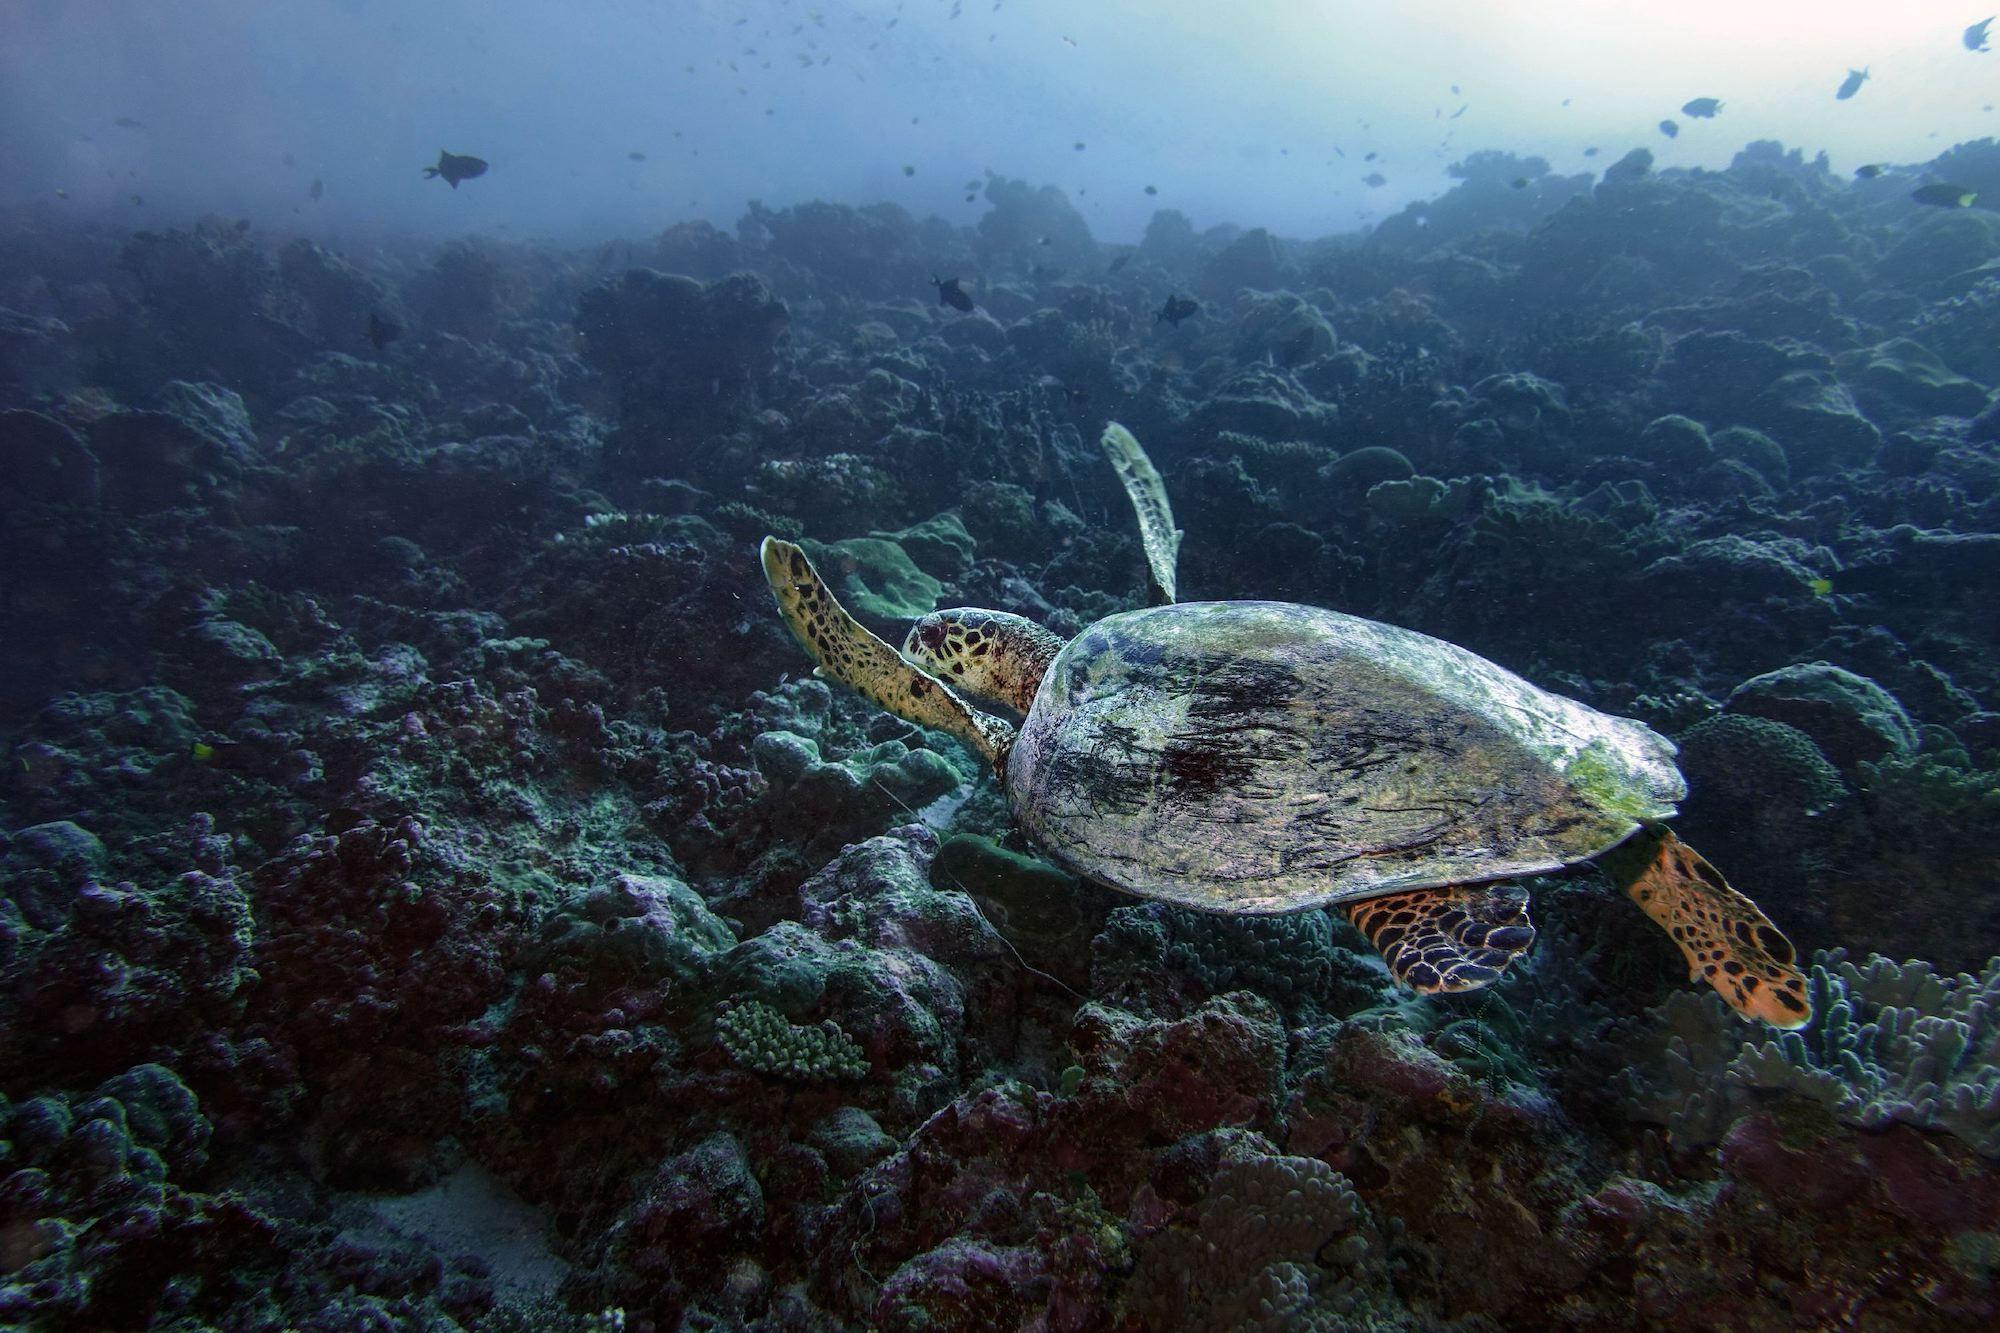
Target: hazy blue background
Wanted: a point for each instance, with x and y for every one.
(1235, 111)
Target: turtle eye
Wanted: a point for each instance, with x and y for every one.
(931, 635)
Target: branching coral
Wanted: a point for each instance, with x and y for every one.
(1889, 1043)
(758, 1037)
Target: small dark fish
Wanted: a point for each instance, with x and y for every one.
(972, 199)
(1975, 36)
(1118, 263)
(909, 170)
(127, 123)
(1079, 145)
(1941, 195)
(1565, 101)
(1590, 152)
(1045, 240)
(951, 294)
(381, 332)
(1152, 189)
(1456, 114)
(1851, 84)
(1868, 172)
(1454, 90)
(242, 224)
(1374, 180)
(1668, 128)
(636, 156)
(1371, 157)
(1520, 182)
(1701, 108)
(318, 189)
(138, 200)
(456, 167)
(1177, 309)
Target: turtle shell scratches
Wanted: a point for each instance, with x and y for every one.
(1265, 757)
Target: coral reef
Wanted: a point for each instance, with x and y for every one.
(404, 781)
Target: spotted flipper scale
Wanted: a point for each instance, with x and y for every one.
(848, 652)
(1157, 533)
(1727, 940)
(1457, 938)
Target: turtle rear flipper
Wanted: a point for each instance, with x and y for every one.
(1157, 532)
(848, 652)
(1456, 938)
(1729, 943)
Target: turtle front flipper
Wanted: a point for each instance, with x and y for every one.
(1157, 532)
(848, 652)
(1456, 938)
(1729, 943)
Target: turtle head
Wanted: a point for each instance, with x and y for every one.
(994, 656)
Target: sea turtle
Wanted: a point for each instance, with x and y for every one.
(1266, 757)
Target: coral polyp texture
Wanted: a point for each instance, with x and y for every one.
(436, 892)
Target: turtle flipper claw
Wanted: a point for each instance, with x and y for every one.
(1457, 938)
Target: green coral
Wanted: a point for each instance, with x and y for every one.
(760, 1038)
(875, 578)
(1754, 762)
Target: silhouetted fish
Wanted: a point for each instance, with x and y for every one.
(1590, 152)
(1701, 108)
(242, 224)
(1868, 172)
(636, 156)
(1118, 263)
(455, 167)
(1671, 130)
(909, 170)
(381, 332)
(1975, 36)
(1152, 189)
(1851, 84)
(951, 294)
(1944, 196)
(1520, 182)
(127, 123)
(1177, 309)
(317, 189)
(1374, 180)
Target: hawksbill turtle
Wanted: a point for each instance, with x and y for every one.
(1264, 757)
